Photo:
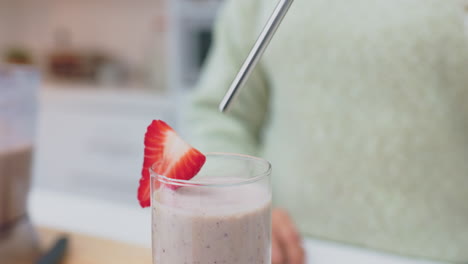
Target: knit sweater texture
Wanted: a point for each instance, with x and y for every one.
(361, 106)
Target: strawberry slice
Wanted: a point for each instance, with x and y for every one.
(175, 158)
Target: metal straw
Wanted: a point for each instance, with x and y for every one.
(256, 53)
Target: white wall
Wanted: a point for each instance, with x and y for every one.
(5, 11)
(125, 28)
(2, 25)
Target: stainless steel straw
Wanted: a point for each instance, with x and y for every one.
(256, 53)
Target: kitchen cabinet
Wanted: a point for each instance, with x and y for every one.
(90, 141)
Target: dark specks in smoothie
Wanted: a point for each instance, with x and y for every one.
(205, 236)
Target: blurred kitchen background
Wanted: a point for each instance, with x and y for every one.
(108, 68)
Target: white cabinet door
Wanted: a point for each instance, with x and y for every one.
(92, 144)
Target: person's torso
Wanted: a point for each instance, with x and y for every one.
(368, 130)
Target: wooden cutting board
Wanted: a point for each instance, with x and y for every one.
(84, 249)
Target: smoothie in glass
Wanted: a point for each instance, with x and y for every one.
(223, 215)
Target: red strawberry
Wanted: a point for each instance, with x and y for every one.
(176, 159)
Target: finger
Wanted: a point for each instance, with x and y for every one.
(276, 251)
(288, 230)
(290, 240)
(296, 255)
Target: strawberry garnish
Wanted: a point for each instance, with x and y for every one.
(169, 155)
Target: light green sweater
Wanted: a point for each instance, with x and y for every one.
(362, 108)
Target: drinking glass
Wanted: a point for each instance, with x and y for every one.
(18, 109)
(222, 215)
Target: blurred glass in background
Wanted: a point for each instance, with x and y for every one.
(18, 113)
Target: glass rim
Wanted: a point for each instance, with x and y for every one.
(201, 183)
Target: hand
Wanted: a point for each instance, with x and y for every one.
(286, 240)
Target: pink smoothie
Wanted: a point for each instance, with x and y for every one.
(205, 225)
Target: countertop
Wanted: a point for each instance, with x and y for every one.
(106, 232)
(84, 249)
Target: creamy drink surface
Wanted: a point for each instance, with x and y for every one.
(201, 225)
